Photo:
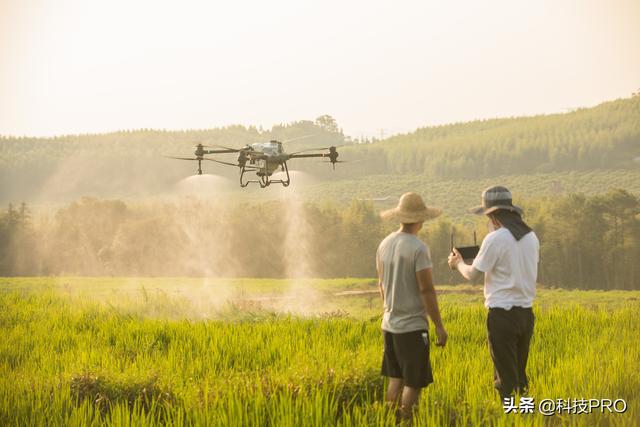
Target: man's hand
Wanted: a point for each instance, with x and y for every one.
(454, 259)
(441, 336)
(456, 262)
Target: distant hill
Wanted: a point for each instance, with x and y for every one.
(603, 137)
(130, 163)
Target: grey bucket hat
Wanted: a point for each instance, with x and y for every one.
(494, 198)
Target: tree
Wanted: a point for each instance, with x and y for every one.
(327, 123)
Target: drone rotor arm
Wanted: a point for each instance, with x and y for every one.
(224, 163)
(307, 156)
(220, 151)
(228, 149)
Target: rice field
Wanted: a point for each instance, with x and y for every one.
(123, 351)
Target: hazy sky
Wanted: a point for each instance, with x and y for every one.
(76, 66)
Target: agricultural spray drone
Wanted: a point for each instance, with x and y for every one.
(263, 158)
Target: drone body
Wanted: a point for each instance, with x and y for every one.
(263, 158)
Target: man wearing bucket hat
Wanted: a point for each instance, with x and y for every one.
(406, 286)
(508, 258)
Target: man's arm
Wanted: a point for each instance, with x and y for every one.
(379, 270)
(428, 295)
(469, 272)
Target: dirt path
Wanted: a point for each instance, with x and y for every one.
(375, 291)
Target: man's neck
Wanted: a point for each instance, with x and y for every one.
(408, 230)
(495, 229)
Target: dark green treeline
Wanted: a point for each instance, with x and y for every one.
(586, 242)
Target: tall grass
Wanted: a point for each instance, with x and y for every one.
(66, 361)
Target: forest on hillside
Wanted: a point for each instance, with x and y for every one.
(130, 164)
(603, 137)
(586, 242)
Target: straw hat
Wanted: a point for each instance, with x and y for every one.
(410, 209)
(495, 198)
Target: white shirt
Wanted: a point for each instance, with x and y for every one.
(401, 256)
(510, 267)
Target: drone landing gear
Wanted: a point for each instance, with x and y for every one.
(265, 180)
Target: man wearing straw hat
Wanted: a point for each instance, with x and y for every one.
(508, 258)
(406, 286)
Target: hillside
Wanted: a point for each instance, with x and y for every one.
(603, 137)
(130, 163)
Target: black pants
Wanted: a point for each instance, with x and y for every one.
(510, 333)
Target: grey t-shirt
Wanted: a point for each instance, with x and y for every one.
(400, 256)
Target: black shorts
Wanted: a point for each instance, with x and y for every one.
(406, 356)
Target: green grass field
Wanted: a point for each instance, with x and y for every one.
(124, 351)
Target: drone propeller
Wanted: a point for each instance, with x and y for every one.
(182, 158)
(333, 162)
(198, 159)
(299, 138)
(310, 149)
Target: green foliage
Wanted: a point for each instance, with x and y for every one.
(589, 242)
(68, 361)
(17, 241)
(603, 137)
(130, 163)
